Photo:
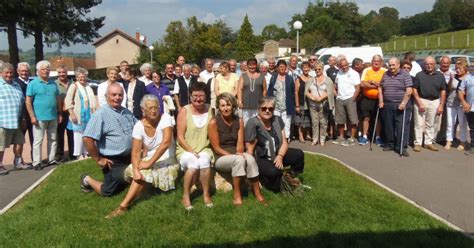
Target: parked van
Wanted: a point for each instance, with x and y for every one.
(363, 52)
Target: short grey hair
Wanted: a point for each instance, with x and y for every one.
(62, 67)
(444, 57)
(264, 64)
(186, 66)
(42, 64)
(146, 66)
(340, 57)
(81, 70)
(23, 64)
(266, 99)
(148, 97)
(7, 66)
(377, 56)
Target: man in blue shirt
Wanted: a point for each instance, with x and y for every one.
(43, 104)
(108, 139)
(11, 115)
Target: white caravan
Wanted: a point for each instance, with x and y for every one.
(364, 52)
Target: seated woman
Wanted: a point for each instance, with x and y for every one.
(226, 133)
(194, 152)
(153, 136)
(265, 139)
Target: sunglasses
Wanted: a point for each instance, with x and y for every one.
(265, 109)
(312, 59)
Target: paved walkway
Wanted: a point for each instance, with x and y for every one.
(442, 182)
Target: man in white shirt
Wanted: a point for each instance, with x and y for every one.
(348, 87)
(264, 71)
(415, 67)
(441, 120)
(181, 86)
(293, 69)
(207, 74)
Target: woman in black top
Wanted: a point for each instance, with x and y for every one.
(265, 139)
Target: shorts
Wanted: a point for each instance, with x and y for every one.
(10, 136)
(367, 107)
(114, 181)
(346, 109)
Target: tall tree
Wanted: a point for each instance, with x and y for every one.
(273, 32)
(245, 44)
(10, 15)
(61, 21)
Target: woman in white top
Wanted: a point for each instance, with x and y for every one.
(112, 75)
(153, 136)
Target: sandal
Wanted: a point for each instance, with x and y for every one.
(117, 212)
(209, 205)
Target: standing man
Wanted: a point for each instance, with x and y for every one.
(370, 83)
(429, 91)
(207, 74)
(272, 68)
(394, 96)
(44, 107)
(124, 66)
(63, 83)
(466, 95)
(11, 118)
(358, 65)
(441, 121)
(181, 61)
(233, 65)
(169, 77)
(108, 139)
(181, 87)
(293, 69)
(312, 65)
(347, 83)
(415, 67)
(23, 79)
(265, 73)
(331, 68)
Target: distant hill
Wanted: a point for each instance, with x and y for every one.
(29, 55)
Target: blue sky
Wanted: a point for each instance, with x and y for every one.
(152, 16)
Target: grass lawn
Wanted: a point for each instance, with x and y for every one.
(448, 40)
(342, 210)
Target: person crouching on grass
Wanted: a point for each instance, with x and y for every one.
(153, 134)
(226, 134)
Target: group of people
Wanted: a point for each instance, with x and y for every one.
(148, 129)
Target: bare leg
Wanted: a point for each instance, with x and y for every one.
(205, 175)
(341, 130)
(96, 185)
(134, 190)
(237, 193)
(300, 133)
(353, 131)
(365, 126)
(188, 179)
(256, 189)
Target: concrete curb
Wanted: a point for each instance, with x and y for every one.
(427, 211)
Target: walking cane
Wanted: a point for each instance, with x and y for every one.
(375, 127)
(403, 131)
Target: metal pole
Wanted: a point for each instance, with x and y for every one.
(298, 43)
(375, 127)
(452, 40)
(151, 56)
(415, 43)
(426, 42)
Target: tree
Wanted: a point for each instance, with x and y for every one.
(462, 15)
(273, 32)
(245, 44)
(10, 15)
(60, 21)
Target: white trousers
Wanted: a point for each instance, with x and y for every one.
(239, 165)
(50, 127)
(426, 121)
(286, 119)
(453, 114)
(188, 160)
(79, 147)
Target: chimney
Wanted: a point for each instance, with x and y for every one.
(137, 36)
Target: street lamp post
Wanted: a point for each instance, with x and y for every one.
(151, 54)
(297, 25)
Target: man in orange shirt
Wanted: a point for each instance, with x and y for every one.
(370, 81)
